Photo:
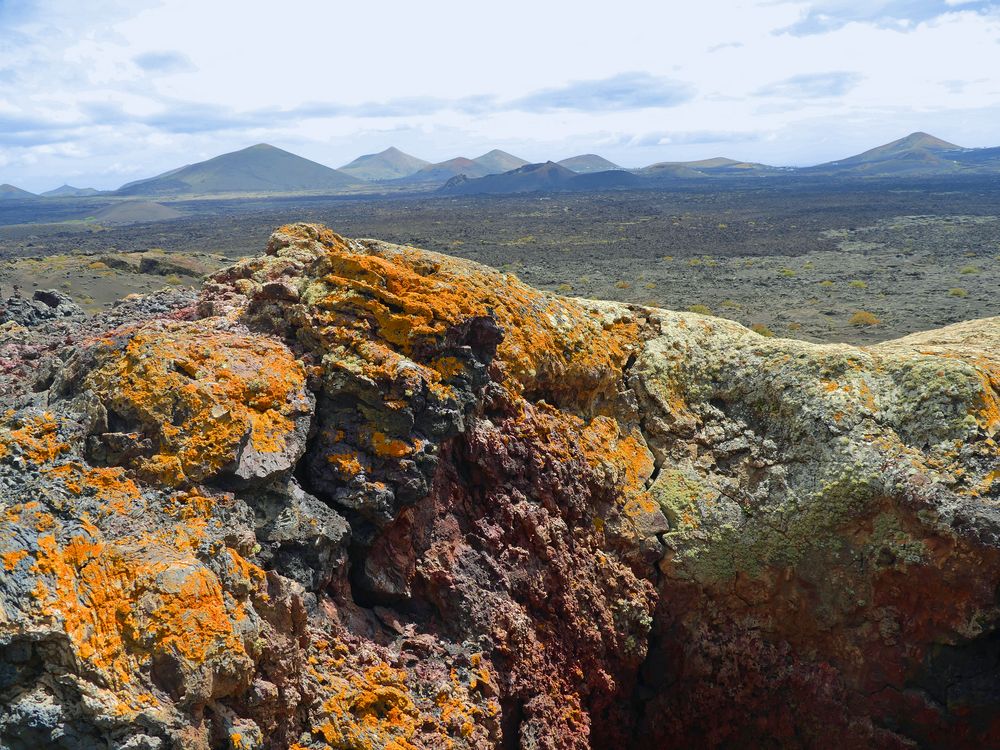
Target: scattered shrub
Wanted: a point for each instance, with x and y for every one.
(564, 287)
(650, 285)
(730, 304)
(174, 280)
(958, 292)
(864, 318)
(787, 272)
(826, 283)
(762, 329)
(858, 284)
(793, 326)
(622, 284)
(700, 309)
(968, 269)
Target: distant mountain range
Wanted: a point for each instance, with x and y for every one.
(390, 164)
(267, 170)
(918, 154)
(257, 169)
(11, 193)
(68, 191)
(585, 163)
(545, 177)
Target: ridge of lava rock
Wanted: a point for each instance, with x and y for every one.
(359, 495)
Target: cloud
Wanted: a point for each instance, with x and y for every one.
(18, 129)
(725, 45)
(163, 62)
(697, 137)
(813, 85)
(829, 15)
(623, 91)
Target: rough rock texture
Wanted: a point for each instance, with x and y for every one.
(44, 304)
(357, 495)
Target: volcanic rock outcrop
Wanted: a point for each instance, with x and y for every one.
(358, 495)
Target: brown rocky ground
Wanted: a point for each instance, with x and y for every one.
(352, 494)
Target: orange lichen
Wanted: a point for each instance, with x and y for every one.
(39, 440)
(371, 710)
(200, 393)
(346, 464)
(12, 558)
(385, 302)
(389, 447)
(122, 602)
(108, 484)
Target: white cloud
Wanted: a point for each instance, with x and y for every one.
(108, 91)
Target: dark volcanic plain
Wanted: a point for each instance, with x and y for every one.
(797, 256)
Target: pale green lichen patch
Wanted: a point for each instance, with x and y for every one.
(678, 493)
(938, 400)
(781, 534)
(891, 544)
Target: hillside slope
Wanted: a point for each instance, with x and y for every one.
(454, 511)
(917, 153)
(257, 169)
(585, 163)
(390, 164)
(443, 171)
(10, 192)
(497, 161)
(547, 177)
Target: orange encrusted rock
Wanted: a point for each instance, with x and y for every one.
(210, 401)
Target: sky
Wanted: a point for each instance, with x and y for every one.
(99, 93)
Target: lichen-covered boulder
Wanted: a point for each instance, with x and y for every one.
(182, 402)
(359, 495)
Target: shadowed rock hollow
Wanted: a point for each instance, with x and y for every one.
(357, 495)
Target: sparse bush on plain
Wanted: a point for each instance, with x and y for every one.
(700, 309)
(968, 269)
(174, 280)
(958, 292)
(864, 318)
(858, 284)
(730, 304)
(789, 272)
(793, 326)
(761, 329)
(564, 288)
(826, 283)
(622, 284)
